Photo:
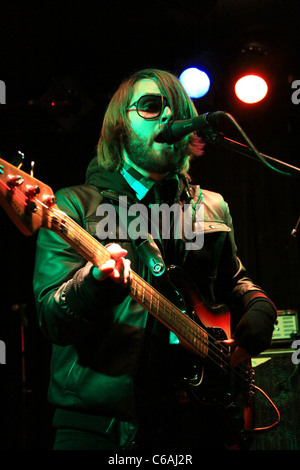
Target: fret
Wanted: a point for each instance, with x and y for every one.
(151, 299)
(158, 306)
(134, 286)
(93, 246)
(163, 310)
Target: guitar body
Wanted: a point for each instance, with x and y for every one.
(209, 381)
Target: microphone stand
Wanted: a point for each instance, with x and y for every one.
(214, 137)
(211, 136)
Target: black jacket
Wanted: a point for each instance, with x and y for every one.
(98, 332)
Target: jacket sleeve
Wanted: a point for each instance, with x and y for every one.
(254, 313)
(68, 298)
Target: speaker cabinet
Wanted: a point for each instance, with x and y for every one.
(279, 378)
(286, 326)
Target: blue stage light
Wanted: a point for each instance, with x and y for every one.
(195, 82)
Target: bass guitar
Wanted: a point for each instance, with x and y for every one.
(31, 205)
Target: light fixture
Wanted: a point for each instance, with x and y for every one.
(196, 82)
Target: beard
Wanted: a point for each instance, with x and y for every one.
(163, 159)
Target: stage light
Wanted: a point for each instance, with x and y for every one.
(195, 82)
(251, 89)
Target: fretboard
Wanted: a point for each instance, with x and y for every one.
(188, 331)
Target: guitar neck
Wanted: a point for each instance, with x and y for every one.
(189, 332)
(77, 237)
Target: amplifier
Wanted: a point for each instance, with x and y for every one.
(287, 325)
(279, 378)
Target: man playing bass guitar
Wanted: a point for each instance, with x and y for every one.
(117, 381)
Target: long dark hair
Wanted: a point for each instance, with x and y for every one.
(116, 124)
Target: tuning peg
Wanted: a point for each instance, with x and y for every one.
(17, 159)
(32, 191)
(49, 200)
(32, 168)
(14, 181)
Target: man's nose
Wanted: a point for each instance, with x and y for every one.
(166, 115)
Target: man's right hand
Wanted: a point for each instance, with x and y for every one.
(117, 267)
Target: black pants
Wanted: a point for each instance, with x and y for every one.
(178, 428)
(75, 439)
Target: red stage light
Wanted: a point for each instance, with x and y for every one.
(251, 89)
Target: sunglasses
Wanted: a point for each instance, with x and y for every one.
(149, 106)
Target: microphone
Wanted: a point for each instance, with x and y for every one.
(176, 130)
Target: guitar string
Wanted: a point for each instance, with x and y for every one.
(215, 354)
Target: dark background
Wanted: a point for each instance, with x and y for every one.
(77, 53)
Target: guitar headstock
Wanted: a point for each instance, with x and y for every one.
(25, 199)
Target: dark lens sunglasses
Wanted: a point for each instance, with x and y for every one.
(149, 106)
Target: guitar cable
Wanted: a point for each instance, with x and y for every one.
(271, 426)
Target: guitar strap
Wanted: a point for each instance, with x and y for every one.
(146, 247)
(150, 254)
